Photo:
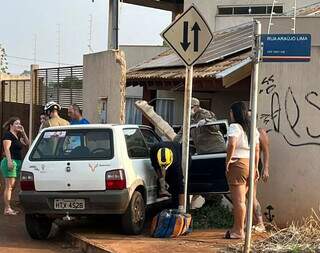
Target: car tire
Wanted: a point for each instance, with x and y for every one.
(134, 218)
(38, 227)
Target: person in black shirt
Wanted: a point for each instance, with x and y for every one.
(174, 174)
(11, 163)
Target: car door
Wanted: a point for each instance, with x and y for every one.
(207, 171)
(151, 138)
(138, 154)
(90, 156)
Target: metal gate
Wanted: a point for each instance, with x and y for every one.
(62, 85)
(15, 101)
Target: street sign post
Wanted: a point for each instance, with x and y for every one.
(188, 36)
(254, 100)
(286, 47)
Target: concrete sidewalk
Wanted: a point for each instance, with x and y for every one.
(196, 242)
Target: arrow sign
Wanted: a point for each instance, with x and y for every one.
(189, 35)
(196, 30)
(185, 44)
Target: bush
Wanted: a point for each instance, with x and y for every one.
(212, 215)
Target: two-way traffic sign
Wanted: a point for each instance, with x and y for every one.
(188, 36)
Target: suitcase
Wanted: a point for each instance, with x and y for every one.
(171, 223)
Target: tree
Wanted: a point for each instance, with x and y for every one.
(3, 60)
(26, 72)
(71, 82)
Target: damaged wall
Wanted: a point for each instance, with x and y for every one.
(101, 90)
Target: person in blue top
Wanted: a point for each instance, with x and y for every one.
(75, 114)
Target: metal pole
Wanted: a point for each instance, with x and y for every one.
(186, 131)
(113, 42)
(32, 87)
(254, 98)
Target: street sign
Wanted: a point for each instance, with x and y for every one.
(188, 36)
(286, 47)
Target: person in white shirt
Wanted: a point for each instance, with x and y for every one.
(237, 165)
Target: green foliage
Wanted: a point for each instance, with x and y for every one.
(68, 82)
(71, 82)
(3, 60)
(212, 215)
(300, 249)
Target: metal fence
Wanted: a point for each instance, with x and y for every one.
(17, 91)
(62, 85)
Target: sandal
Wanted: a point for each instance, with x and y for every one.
(230, 235)
(10, 212)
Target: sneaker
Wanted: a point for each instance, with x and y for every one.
(197, 202)
(259, 228)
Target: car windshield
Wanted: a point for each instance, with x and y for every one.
(88, 144)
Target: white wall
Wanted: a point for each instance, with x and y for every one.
(209, 10)
(291, 111)
(224, 22)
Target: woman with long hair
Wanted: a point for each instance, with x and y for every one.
(237, 165)
(12, 141)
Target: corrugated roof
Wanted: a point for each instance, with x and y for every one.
(225, 43)
(199, 71)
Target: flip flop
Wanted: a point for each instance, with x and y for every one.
(11, 212)
(231, 236)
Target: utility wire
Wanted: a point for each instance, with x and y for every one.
(30, 59)
(17, 64)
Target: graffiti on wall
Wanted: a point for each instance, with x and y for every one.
(283, 111)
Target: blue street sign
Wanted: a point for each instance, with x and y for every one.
(286, 47)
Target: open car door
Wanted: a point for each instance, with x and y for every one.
(207, 171)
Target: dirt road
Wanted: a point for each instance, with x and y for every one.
(14, 238)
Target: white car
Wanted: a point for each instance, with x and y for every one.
(88, 169)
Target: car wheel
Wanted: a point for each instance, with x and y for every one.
(134, 217)
(38, 226)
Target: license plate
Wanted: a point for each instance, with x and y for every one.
(73, 204)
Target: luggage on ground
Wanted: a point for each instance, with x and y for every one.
(171, 223)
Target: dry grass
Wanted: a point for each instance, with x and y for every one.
(299, 237)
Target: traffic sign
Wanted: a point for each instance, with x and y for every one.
(188, 36)
(286, 47)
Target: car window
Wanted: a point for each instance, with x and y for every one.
(136, 145)
(74, 145)
(149, 137)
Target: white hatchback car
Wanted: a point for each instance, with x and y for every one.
(88, 169)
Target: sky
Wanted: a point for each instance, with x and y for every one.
(24, 20)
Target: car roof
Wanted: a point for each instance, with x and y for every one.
(96, 126)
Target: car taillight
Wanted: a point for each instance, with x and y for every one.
(27, 181)
(115, 180)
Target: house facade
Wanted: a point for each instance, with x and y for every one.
(220, 15)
